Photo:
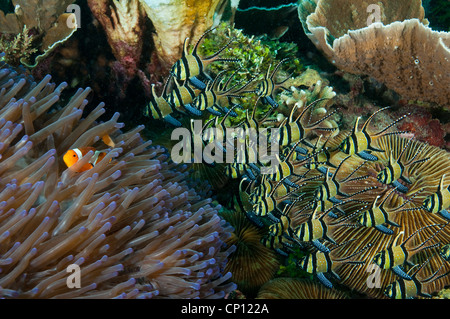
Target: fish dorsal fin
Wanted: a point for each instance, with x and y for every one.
(194, 50)
(276, 186)
(268, 72)
(291, 114)
(355, 128)
(391, 158)
(154, 92)
(277, 67)
(374, 204)
(166, 85)
(386, 197)
(339, 166)
(307, 107)
(315, 213)
(394, 243)
(318, 141)
(327, 175)
(185, 47)
(364, 128)
(441, 183)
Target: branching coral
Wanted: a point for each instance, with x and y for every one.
(131, 224)
(400, 50)
(49, 22)
(17, 47)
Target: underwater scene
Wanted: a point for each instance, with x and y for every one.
(224, 149)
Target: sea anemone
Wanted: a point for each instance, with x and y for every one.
(131, 225)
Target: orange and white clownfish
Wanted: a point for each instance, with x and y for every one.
(74, 155)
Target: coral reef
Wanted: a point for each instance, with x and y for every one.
(17, 47)
(132, 225)
(403, 62)
(122, 22)
(338, 204)
(357, 195)
(293, 288)
(174, 21)
(49, 23)
(252, 264)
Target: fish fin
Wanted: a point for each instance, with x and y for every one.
(384, 229)
(254, 219)
(213, 112)
(392, 223)
(108, 141)
(336, 275)
(401, 273)
(192, 110)
(406, 179)
(367, 156)
(332, 215)
(324, 280)
(444, 213)
(197, 83)
(320, 246)
(402, 188)
(171, 120)
(281, 252)
(271, 101)
(335, 200)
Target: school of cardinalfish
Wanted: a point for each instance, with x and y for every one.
(306, 202)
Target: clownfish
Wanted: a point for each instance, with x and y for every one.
(72, 156)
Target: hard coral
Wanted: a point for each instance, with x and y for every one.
(293, 288)
(49, 22)
(251, 264)
(174, 21)
(122, 22)
(424, 127)
(131, 224)
(400, 50)
(336, 188)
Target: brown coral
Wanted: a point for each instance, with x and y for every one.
(122, 22)
(49, 21)
(400, 51)
(131, 224)
(251, 264)
(174, 21)
(295, 288)
(333, 176)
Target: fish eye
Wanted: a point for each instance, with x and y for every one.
(344, 145)
(377, 258)
(389, 291)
